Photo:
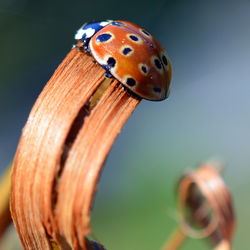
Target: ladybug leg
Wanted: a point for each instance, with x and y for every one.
(108, 74)
(86, 49)
(82, 45)
(107, 71)
(78, 45)
(85, 44)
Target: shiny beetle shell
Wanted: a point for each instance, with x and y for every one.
(134, 57)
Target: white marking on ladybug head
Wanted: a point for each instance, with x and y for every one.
(104, 23)
(84, 33)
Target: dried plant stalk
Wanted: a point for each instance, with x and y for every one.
(176, 240)
(61, 153)
(88, 153)
(5, 218)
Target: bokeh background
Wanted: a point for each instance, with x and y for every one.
(206, 116)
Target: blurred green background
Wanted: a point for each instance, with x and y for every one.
(206, 115)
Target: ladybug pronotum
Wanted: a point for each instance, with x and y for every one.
(130, 54)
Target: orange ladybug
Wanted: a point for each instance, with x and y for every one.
(130, 54)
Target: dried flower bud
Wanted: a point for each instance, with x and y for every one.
(204, 200)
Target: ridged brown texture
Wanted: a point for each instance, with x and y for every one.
(61, 153)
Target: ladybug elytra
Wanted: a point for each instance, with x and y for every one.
(130, 54)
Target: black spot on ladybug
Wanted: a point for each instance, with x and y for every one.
(103, 37)
(157, 90)
(157, 63)
(165, 61)
(145, 33)
(131, 82)
(144, 69)
(126, 51)
(134, 38)
(111, 62)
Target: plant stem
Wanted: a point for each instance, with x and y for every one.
(175, 241)
(5, 218)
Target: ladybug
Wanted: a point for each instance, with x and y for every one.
(130, 54)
